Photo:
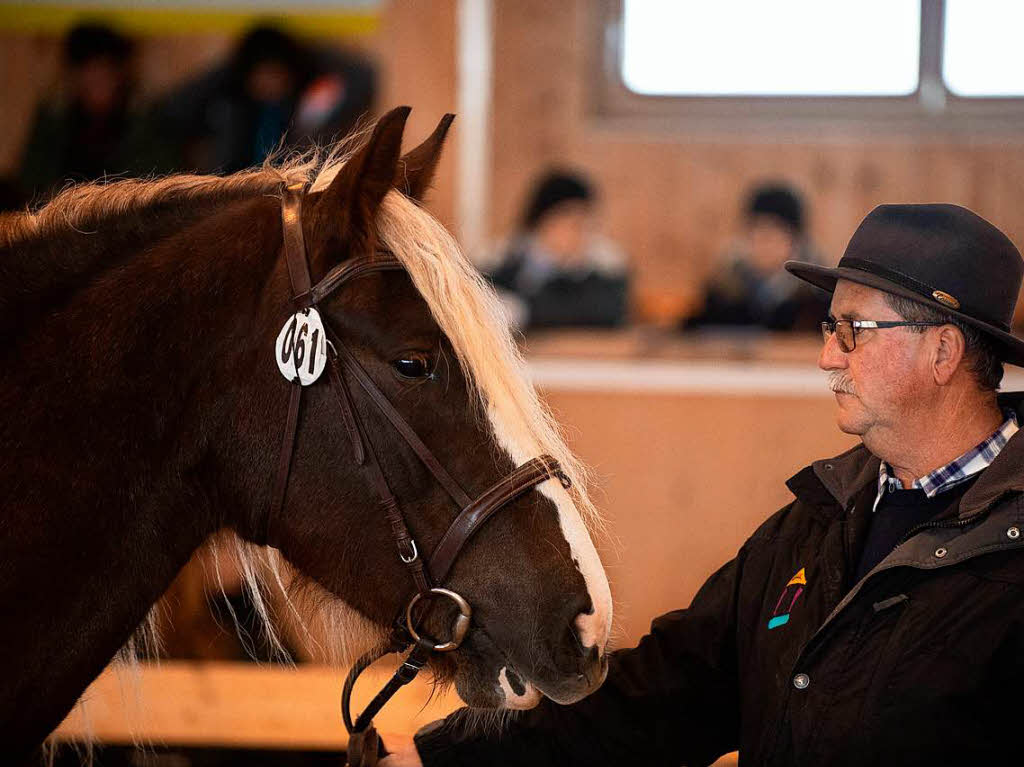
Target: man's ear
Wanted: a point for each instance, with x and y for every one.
(416, 169)
(949, 353)
(340, 222)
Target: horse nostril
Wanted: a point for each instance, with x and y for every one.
(515, 681)
(572, 657)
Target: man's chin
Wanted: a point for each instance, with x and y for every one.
(847, 419)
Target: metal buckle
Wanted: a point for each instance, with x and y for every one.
(412, 557)
(460, 628)
(409, 669)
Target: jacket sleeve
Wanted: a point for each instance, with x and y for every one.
(673, 699)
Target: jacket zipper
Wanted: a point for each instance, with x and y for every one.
(957, 523)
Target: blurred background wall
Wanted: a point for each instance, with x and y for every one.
(412, 45)
(676, 188)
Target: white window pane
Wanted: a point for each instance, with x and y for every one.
(771, 48)
(982, 52)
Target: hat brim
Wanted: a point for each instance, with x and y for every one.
(1010, 347)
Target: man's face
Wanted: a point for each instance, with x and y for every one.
(772, 243)
(884, 381)
(98, 85)
(564, 231)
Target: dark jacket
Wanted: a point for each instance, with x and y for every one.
(215, 126)
(64, 145)
(589, 296)
(921, 662)
(738, 294)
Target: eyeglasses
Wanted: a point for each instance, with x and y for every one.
(846, 330)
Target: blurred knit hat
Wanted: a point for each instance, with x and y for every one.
(92, 40)
(778, 201)
(555, 188)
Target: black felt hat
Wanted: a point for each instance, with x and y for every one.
(943, 256)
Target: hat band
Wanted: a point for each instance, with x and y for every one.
(926, 291)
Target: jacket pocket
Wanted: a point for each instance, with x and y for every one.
(888, 618)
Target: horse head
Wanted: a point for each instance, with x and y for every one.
(432, 342)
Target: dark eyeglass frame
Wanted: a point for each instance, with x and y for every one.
(845, 331)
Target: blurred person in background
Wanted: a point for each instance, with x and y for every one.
(750, 287)
(92, 126)
(235, 115)
(557, 270)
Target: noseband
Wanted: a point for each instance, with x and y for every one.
(345, 373)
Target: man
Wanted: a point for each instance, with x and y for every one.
(879, 617)
(94, 125)
(750, 287)
(557, 270)
(273, 90)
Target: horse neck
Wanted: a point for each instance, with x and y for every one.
(112, 407)
(39, 273)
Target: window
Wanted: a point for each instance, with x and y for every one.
(779, 48)
(780, 65)
(982, 54)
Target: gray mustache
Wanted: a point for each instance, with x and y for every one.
(840, 382)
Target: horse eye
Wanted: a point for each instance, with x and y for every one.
(413, 367)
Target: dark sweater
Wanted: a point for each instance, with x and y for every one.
(898, 511)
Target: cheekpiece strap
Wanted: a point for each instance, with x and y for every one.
(294, 243)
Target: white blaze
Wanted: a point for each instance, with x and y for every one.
(595, 627)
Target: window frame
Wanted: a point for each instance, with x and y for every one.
(931, 108)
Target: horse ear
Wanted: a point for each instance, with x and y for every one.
(343, 216)
(416, 169)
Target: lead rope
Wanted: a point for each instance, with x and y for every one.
(364, 743)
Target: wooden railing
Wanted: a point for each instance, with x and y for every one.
(239, 705)
(243, 705)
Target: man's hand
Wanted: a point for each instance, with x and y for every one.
(402, 752)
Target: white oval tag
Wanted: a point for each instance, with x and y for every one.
(301, 348)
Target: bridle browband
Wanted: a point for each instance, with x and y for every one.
(344, 372)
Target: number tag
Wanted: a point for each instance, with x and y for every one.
(301, 349)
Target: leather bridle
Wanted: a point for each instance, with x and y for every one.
(344, 373)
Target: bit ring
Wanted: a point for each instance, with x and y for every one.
(459, 629)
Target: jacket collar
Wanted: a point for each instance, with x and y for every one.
(845, 475)
(1005, 475)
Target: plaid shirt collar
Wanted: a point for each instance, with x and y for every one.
(959, 469)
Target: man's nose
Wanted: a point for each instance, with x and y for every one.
(832, 357)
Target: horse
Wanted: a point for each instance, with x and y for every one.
(143, 413)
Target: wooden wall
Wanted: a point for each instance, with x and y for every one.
(671, 198)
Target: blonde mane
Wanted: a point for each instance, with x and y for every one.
(470, 315)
